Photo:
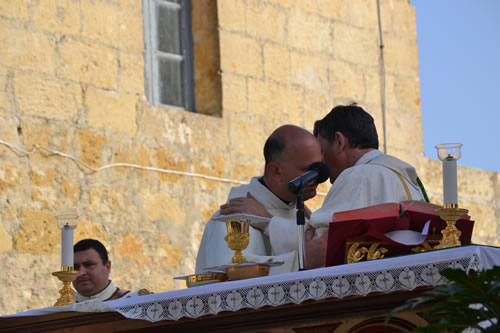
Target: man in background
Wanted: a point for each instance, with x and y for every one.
(91, 260)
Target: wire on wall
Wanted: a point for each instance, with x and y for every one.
(382, 76)
(22, 152)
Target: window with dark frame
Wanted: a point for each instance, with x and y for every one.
(169, 53)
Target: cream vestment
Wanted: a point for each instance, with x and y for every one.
(214, 251)
(372, 180)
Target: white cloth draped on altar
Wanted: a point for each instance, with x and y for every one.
(362, 278)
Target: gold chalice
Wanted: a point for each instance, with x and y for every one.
(237, 238)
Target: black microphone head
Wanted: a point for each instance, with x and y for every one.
(323, 171)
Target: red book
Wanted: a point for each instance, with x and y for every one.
(373, 222)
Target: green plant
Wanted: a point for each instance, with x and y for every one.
(464, 302)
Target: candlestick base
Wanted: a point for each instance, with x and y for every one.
(451, 235)
(66, 293)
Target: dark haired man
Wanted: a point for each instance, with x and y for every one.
(91, 260)
(288, 153)
(360, 174)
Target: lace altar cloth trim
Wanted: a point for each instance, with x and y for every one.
(298, 291)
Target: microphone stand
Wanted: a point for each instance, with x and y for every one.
(301, 221)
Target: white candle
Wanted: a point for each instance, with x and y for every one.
(67, 246)
(450, 192)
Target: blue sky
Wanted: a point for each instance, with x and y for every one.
(459, 63)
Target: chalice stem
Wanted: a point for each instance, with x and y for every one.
(238, 257)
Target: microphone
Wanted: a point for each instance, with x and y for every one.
(318, 173)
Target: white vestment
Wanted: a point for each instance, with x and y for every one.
(108, 293)
(371, 181)
(214, 251)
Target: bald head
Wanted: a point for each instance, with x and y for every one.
(289, 151)
(284, 140)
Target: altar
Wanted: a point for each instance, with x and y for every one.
(346, 298)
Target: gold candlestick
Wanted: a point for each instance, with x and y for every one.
(66, 275)
(451, 235)
(237, 238)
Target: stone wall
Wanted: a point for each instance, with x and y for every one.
(72, 80)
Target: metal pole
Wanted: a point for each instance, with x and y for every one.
(301, 221)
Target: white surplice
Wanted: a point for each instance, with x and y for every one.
(213, 250)
(371, 181)
(109, 293)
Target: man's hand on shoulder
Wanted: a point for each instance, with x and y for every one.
(310, 191)
(248, 205)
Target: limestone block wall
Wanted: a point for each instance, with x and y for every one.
(72, 80)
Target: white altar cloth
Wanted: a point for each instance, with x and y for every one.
(362, 278)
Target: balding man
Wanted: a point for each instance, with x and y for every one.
(288, 153)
